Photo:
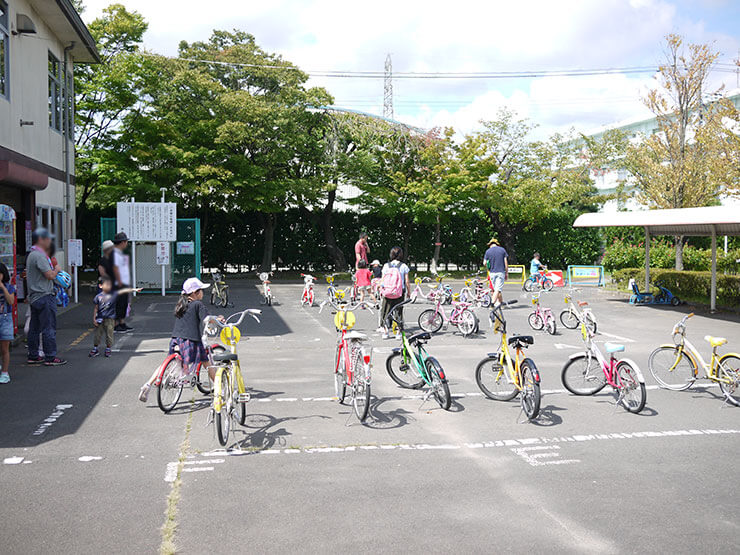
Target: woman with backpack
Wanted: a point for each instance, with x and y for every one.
(394, 289)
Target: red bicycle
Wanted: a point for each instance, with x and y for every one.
(172, 373)
(307, 296)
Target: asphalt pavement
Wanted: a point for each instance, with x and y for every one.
(89, 469)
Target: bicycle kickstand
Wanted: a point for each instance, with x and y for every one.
(425, 398)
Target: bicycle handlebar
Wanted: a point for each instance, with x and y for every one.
(345, 306)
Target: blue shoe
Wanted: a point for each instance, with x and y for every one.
(4, 377)
(94, 352)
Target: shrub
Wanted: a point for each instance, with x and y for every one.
(624, 254)
(686, 284)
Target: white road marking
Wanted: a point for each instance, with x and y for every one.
(13, 460)
(170, 475)
(120, 342)
(613, 336)
(51, 419)
(88, 458)
(198, 469)
(565, 346)
(529, 446)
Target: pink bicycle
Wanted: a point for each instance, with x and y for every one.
(307, 295)
(542, 318)
(462, 316)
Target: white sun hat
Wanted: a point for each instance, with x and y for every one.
(192, 285)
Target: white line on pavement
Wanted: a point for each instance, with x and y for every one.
(51, 419)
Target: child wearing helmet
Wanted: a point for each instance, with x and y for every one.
(104, 315)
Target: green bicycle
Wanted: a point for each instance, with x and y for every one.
(412, 368)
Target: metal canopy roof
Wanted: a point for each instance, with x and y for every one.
(723, 220)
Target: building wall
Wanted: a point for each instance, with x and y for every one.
(28, 101)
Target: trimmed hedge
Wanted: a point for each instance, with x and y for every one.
(626, 254)
(686, 285)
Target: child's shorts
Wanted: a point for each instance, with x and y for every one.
(6, 327)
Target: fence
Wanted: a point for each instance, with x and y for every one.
(184, 256)
(516, 274)
(585, 275)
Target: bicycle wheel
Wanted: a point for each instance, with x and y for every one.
(590, 323)
(203, 379)
(223, 416)
(360, 388)
(529, 285)
(632, 391)
(213, 296)
(547, 284)
(551, 326)
(468, 323)
(485, 300)
(583, 375)
(430, 321)
(439, 383)
(170, 389)
(225, 298)
(569, 319)
(535, 321)
(672, 368)
(531, 394)
(729, 375)
(403, 373)
(494, 380)
(310, 298)
(340, 378)
(466, 295)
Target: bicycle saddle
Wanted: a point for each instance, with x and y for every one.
(423, 336)
(225, 357)
(613, 347)
(355, 335)
(582, 303)
(521, 340)
(715, 341)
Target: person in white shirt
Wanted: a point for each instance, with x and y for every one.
(122, 275)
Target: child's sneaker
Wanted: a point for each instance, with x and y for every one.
(144, 393)
(4, 377)
(35, 360)
(107, 351)
(94, 352)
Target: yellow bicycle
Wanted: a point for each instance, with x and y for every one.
(501, 376)
(230, 396)
(676, 366)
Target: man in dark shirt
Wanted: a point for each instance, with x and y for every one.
(496, 260)
(105, 265)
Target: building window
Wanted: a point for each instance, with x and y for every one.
(55, 93)
(4, 51)
(53, 220)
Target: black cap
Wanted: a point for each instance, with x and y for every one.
(120, 238)
(40, 233)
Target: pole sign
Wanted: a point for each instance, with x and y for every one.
(74, 252)
(163, 253)
(147, 221)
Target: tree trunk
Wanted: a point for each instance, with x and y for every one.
(437, 245)
(679, 252)
(505, 233)
(334, 252)
(268, 226)
(405, 231)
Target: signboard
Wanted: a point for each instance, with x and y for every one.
(29, 235)
(163, 253)
(74, 252)
(186, 247)
(557, 277)
(586, 272)
(147, 221)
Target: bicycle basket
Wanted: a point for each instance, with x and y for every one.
(344, 319)
(264, 276)
(230, 336)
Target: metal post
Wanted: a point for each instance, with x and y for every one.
(713, 293)
(163, 278)
(133, 265)
(647, 259)
(725, 244)
(163, 190)
(77, 298)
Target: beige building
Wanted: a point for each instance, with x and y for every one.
(40, 41)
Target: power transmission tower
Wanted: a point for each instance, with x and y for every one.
(388, 88)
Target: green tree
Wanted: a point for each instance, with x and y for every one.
(694, 157)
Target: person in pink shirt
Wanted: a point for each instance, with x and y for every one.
(361, 250)
(363, 276)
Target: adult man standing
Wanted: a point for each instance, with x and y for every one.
(105, 265)
(40, 276)
(122, 279)
(496, 260)
(362, 250)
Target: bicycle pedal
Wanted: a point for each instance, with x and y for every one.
(209, 418)
(243, 397)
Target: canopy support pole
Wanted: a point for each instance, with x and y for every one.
(647, 259)
(713, 292)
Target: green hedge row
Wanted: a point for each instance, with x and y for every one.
(687, 285)
(621, 253)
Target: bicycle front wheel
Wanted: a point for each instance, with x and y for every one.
(529, 285)
(672, 368)
(535, 321)
(582, 375)
(360, 387)
(430, 321)
(632, 391)
(468, 323)
(439, 383)
(531, 395)
(569, 319)
(340, 377)
(223, 416)
(547, 284)
(729, 375)
(485, 300)
(403, 372)
(225, 298)
(551, 326)
(170, 388)
(494, 380)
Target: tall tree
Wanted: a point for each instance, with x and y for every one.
(694, 156)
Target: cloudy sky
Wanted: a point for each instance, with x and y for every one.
(463, 36)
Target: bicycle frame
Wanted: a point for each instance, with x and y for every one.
(307, 295)
(512, 364)
(609, 367)
(573, 309)
(711, 368)
(418, 358)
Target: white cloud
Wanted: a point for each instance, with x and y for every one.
(466, 35)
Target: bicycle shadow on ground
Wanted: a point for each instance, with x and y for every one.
(703, 391)
(379, 419)
(611, 400)
(259, 432)
(548, 416)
